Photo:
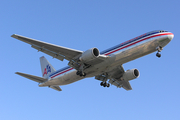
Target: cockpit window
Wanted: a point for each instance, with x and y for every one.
(162, 31)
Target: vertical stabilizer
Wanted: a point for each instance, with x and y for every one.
(46, 67)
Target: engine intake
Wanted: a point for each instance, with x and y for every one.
(89, 55)
(130, 74)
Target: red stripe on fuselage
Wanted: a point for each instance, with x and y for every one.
(62, 72)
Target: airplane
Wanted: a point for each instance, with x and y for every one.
(105, 66)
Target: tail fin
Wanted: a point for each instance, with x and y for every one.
(46, 67)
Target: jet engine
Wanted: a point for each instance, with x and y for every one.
(89, 55)
(130, 74)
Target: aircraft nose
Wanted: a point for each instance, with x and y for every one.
(171, 36)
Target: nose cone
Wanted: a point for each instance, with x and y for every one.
(171, 36)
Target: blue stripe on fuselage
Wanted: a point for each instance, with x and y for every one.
(58, 71)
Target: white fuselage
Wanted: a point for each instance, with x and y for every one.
(118, 55)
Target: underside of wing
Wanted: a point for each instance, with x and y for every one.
(56, 87)
(55, 51)
(125, 84)
(117, 78)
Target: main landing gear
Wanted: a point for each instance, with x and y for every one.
(103, 77)
(105, 84)
(159, 49)
(80, 73)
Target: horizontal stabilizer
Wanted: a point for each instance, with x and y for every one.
(39, 80)
(32, 77)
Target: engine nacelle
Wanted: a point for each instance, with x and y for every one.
(130, 74)
(89, 55)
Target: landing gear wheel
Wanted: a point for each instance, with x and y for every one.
(158, 55)
(105, 84)
(78, 73)
(81, 75)
(101, 83)
(159, 49)
(84, 74)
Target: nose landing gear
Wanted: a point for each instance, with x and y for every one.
(158, 55)
(159, 49)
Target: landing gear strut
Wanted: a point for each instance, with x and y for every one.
(159, 49)
(105, 84)
(80, 73)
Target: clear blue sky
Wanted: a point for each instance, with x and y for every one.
(83, 24)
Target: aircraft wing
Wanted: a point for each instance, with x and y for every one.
(55, 51)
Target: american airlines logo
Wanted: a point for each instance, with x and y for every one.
(47, 70)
